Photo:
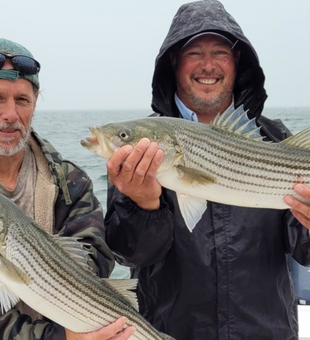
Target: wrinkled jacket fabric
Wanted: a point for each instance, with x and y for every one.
(76, 212)
(229, 278)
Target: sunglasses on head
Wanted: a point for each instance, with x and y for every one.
(23, 64)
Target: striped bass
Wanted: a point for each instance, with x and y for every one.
(50, 274)
(226, 162)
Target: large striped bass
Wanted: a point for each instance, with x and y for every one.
(50, 274)
(226, 161)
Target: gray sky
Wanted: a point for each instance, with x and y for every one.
(100, 54)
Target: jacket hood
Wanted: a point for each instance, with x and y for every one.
(191, 19)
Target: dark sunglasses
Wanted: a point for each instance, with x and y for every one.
(24, 65)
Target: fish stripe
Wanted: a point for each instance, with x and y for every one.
(216, 152)
(31, 258)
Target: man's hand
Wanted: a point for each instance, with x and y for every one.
(105, 333)
(133, 172)
(299, 209)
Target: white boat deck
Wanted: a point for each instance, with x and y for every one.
(304, 322)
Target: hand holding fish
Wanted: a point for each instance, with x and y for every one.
(105, 333)
(226, 161)
(133, 172)
(300, 209)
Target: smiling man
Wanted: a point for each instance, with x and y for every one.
(205, 70)
(228, 279)
(54, 192)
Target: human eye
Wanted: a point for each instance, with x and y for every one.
(23, 100)
(221, 52)
(193, 52)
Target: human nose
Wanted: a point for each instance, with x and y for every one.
(208, 62)
(8, 111)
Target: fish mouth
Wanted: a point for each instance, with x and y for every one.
(99, 144)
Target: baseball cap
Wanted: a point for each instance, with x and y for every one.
(192, 38)
(11, 49)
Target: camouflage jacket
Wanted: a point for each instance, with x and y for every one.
(64, 203)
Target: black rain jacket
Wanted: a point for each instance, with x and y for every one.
(229, 278)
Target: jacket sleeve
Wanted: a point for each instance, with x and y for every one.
(137, 237)
(83, 218)
(297, 239)
(14, 325)
(296, 236)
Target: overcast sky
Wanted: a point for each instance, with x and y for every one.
(100, 54)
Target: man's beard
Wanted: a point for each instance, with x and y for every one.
(203, 106)
(13, 150)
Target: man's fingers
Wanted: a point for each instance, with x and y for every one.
(303, 191)
(114, 331)
(125, 334)
(301, 218)
(296, 204)
(113, 328)
(145, 163)
(300, 210)
(154, 166)
(136, 156)
(114, 164)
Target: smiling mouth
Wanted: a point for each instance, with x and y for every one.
(8, 130)
(205, 81)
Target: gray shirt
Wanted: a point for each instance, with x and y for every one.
(23, 193)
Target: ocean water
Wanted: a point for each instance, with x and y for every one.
(65, 129)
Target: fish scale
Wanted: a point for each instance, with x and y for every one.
(226, 162)
(271, 167)
(36, 269)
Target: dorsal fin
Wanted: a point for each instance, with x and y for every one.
(125, 288)
(300, 140)
(237, 121)
(75, 249)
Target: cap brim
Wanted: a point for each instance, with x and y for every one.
(190, 40)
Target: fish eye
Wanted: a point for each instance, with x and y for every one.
(124, 134)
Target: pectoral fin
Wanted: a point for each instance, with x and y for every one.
(8, 299)
(193, 177)
(192, 209)
(8, 274)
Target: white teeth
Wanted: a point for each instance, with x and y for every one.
(207, 81)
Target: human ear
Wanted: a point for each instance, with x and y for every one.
(173, 60)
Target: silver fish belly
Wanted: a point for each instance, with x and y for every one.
(37, 268)
(226, 162)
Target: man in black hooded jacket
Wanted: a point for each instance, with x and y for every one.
(228, 279)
